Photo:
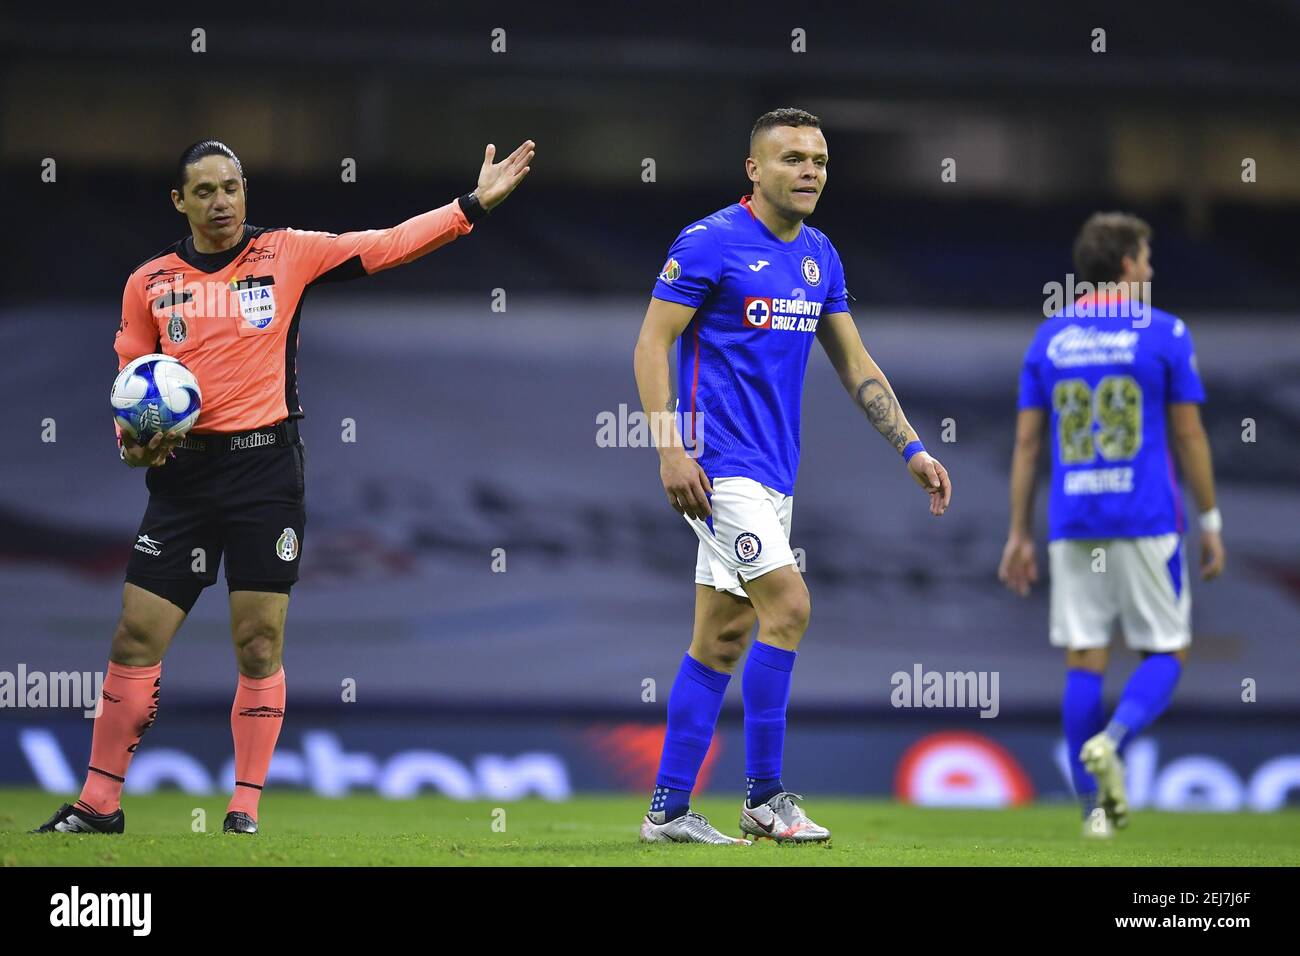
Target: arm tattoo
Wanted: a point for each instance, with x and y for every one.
(882, 411)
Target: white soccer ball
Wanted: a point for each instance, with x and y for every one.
(155, 393)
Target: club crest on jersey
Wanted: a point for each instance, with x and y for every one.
(812, 272)
(748, 547)
(286, 546)
(177, 331)
(672, 270)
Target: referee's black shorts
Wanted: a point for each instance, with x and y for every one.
(238, 495)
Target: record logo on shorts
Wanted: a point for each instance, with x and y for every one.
(286, 546)
(812, 272)
(748, 547)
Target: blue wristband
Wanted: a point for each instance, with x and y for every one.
(911, 450)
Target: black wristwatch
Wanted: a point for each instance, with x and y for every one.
(471, 207)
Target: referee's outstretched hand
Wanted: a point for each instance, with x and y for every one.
(151, 455)
(496, 181)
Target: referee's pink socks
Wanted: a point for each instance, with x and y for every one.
(129, 706)
(255, 723)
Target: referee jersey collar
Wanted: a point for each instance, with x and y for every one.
(214, 261)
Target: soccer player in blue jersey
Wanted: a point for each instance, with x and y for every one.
(743, 293)
(1114, 380)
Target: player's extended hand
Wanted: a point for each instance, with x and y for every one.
(1212, 555)
(151, 455)
(496, 181)
(686, 485)
(933, 477)
(1019, 568)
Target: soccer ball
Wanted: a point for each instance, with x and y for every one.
(155, 393)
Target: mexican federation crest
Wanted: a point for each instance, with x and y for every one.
(286, 546)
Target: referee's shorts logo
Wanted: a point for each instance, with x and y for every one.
(286, 546)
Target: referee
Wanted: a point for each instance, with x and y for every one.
(226, 301)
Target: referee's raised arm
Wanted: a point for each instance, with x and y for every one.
(327, 256)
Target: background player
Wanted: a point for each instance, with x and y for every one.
(1114, 378)
(226, 301)
(743, 293)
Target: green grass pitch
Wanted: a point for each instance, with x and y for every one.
(595, 831)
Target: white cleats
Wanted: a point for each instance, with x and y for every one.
(782, 820)
(1102, 760)
(690, 828)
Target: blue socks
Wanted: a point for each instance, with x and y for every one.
(674, 803)
(766, 692)
(693, 708)
(1145, 697)
(1082, 714)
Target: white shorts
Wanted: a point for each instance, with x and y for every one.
(747, 535)
(1144, 587)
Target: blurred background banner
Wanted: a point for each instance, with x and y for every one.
(494, 595)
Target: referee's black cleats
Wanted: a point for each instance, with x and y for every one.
(68, 819)
(239, 822)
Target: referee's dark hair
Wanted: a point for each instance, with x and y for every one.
(196, 151)
(786, 116)
(1103, 242)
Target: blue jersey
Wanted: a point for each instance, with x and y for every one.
(1107, 378)
(742, 358)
